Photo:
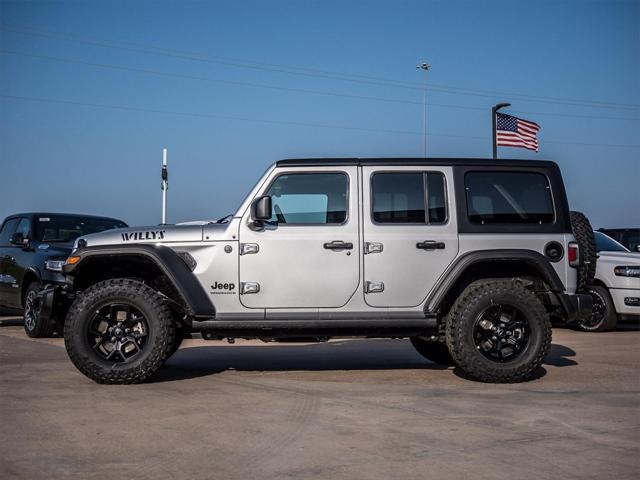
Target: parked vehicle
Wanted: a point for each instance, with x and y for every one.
(468, 258)
(629, 237)
(616, 288)
(33, 248)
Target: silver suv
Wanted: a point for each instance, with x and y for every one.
(470, 259)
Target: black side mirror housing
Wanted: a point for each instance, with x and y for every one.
(19, 240)
(261, 210)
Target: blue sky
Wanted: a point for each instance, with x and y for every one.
(92, 91)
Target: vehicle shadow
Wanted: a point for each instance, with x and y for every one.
(344, 355)
(196, 362)
(558, 356)
(11, 322)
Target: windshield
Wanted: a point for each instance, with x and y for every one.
(607, 244)
(66, 228)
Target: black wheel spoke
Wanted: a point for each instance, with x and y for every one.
(505, 329)
(111, 331)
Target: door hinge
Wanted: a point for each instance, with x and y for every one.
(373, 247)
(373, 287)
(249, 248)
(249, 287)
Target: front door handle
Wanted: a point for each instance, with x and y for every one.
(338, 245)
(430, 245)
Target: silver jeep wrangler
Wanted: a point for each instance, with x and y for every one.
(470, 259)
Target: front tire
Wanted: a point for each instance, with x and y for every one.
(119, 331)
(603, 316)
(34, 325)
(498, 332)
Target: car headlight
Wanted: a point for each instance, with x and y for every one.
(627, 271)
(54, 265)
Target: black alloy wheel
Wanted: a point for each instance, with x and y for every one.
(117, 332)
(501, 332)
(31, 310)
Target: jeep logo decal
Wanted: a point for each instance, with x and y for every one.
(223, 286)
(148, 235)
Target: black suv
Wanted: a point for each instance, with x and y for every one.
(33, 248)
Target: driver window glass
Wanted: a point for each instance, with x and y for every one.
(8, 229)
(24, 227)
(309, 198)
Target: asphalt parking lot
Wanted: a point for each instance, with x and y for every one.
(353, 409)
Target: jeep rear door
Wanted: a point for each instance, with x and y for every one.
(410, 233)
(307, 255)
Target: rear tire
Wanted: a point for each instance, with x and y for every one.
(34, 325)
(436, 352)
(583, 233)
(604, 316)
(498, 331)
(140, 322)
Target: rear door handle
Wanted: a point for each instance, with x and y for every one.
(338, 245)
(430, 245)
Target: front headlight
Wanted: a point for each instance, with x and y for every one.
(54, 265)
(627, 271)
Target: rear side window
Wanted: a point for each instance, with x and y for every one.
(309, 198)
(408, 198)
(8, 229)
(508, 197)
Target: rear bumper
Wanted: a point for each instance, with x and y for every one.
(577, 307)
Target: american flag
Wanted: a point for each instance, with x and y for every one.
(515, 132)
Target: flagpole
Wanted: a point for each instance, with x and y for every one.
(165, 186)
(494, 121)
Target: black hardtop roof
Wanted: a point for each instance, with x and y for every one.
(60, 214)
(479, 162)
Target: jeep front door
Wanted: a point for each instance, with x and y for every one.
(307, 254)
(410, 234)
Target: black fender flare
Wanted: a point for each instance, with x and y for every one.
(462, 263)
(167, 260)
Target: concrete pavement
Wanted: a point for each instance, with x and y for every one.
(353, 409)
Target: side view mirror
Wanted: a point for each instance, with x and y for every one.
(19, 240)
(638, 248)
(261, 209)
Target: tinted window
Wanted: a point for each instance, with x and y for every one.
(402, 198)
(607, 244)
(508, 197)
(398, 198)
(309, 198)
(8, 229)
(436, 198)
(24, 227)
(66, 228)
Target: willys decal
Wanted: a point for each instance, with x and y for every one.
(146, 235)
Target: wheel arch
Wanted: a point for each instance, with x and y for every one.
(499, 263)
(156, 265)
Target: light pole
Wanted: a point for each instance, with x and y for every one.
(425, 67)
(494, 121)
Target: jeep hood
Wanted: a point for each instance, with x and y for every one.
(165, 234)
